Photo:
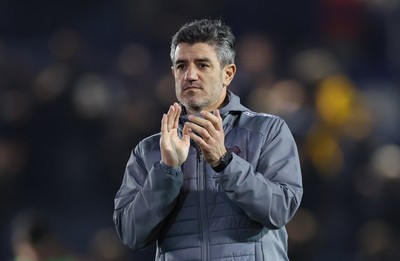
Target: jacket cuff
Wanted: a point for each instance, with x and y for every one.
(167, 169)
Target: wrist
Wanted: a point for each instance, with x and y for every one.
(218, 161)
(223, 162)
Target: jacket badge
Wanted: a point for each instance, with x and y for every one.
(234, 149)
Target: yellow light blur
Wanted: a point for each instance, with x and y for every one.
(334, 99)
(325, 152)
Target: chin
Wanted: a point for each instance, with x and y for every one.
(190, 99)
(192, 104)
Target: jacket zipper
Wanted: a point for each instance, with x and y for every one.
(201, 185)
(204, 229)
(203, 206)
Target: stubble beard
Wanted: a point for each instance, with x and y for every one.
(197, 104)
(193, 103)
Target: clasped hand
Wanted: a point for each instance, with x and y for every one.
(206, 131)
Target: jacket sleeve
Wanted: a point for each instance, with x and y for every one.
(146, 197)
(271, 192)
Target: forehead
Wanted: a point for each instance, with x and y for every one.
(186, 51)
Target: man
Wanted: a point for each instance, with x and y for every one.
(220, 182)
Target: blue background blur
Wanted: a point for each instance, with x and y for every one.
(81, 82)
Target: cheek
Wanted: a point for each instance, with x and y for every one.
(178, 85)
(178, 79)
(177, 88)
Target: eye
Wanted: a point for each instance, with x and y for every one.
(180, 66)
(203, 65)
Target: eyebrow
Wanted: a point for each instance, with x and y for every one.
(196, 60)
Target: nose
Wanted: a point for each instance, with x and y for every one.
(191, 73)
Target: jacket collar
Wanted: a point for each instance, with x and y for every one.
(233, 105)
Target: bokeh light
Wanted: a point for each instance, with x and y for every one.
(386, 161)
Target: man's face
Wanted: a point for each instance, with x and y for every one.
(200, 82)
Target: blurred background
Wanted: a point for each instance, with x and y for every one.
(81, 82)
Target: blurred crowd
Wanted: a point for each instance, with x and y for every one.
(82, 83)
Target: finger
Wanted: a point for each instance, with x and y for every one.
(204, 122)
(164, 127)
(217, 113)
(177, 114)
(188, 134)
(196, 138)
(214, 118)
(170, 117)
(164, 138)
(204, 127)
(202, 132)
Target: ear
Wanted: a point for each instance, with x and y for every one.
(229, 73)
(172, 70)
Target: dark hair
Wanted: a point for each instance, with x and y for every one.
(213, 32)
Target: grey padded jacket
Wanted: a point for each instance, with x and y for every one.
(194, 213)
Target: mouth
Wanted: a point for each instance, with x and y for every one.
(191, 87)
